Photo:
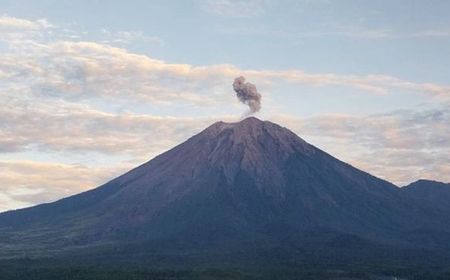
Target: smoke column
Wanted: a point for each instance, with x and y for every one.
(248, 94)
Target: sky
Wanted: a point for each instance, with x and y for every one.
(91, 89)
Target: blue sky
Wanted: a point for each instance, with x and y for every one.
(93, 88)
(406, 39)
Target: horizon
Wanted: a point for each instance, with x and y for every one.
(92, 90)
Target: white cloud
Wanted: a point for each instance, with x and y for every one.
(8, 23)
(401, 146)
(53, 66)
(51, 88)
(86, 70)
(25, 183)
(62, 126)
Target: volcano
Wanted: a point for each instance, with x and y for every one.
(246, 191)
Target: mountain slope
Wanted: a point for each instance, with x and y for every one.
(431, 192)
(248, 186)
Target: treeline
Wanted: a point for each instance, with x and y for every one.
(367, 271)
(101, 273)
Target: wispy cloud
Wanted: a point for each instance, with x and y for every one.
(336, 31)
(86, 70)
(53, 88)
(400, 146)
(234, 8)
(129, 37)
(8, 23)
(433, 33)
(62, 126)
(25, 183)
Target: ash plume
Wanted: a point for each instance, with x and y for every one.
(248, 94)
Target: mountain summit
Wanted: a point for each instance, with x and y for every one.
(250, 188)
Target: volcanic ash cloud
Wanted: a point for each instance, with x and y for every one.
(248, 94)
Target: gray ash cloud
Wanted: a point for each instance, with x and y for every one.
(248, 94)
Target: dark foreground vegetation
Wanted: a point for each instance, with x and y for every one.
(29, 270)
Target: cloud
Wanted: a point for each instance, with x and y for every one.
(84, 70)
(234, 8)
(129, 37)
(8, 23)
(56, 97)
(17, 33)
(62, 126)
(400, 146)
(376, 84)
(355, 32)
(433, 33)
(87, 70)
(45, 64)
(25, 183)
(324, 31)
